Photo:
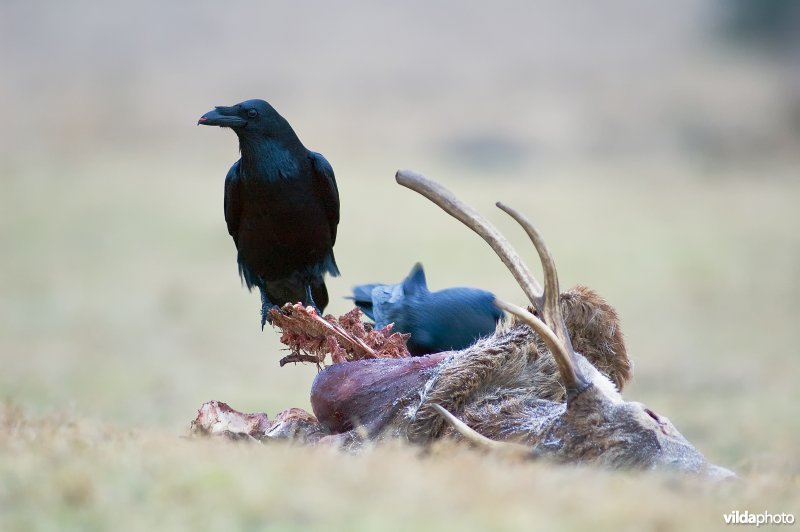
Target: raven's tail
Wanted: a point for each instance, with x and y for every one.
(362, 297)
(266, 304)
(329, 265)
(249, 279)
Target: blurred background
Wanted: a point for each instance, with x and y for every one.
(656, 145)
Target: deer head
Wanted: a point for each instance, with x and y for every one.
(595, 424)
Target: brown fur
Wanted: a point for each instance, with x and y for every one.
(595, 332)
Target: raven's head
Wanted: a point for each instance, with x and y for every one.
(251, 116)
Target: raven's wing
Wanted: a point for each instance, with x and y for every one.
(362, 297)
(233, 202)
(325, 185)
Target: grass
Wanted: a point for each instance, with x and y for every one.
(113, 333)
(660, 168)
(61, 473)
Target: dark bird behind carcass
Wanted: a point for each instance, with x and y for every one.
(453, 318)
(281, 207)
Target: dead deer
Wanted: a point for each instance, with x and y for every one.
(523, 390)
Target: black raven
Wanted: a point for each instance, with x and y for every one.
(452, 318)
(281, 207)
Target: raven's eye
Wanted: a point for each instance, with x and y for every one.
(252, 113)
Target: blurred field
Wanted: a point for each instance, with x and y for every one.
(660, 163)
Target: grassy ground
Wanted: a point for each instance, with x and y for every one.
(114, 333)
(64, 474)
(661, 170)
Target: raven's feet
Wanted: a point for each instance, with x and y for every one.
(266, 305)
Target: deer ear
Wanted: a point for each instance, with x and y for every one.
(415, 283)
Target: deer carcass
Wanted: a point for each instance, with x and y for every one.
(545, 385)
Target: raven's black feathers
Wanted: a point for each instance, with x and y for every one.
(281, 207)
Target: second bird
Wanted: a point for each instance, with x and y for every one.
(281, 207)
(453, 318)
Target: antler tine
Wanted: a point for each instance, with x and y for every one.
(574, 380)
(551, 311)
(476, 438)
(472, 219)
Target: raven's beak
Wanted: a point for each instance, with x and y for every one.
(222, 117)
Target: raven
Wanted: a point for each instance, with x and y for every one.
(453, 318)
(281, 207)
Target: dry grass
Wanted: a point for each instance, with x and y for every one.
(652, 179)
(59, 472)
(108, 373)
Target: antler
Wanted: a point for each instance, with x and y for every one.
(574, 381)
(473, 436)
(545, 301)
(472, 219)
